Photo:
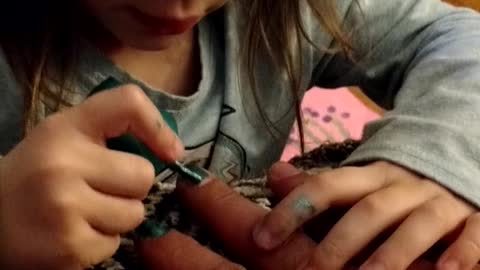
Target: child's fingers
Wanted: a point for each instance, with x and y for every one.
(420, 231)
(231, 218)
(126, 110)
(176, 251)
(464, 253)
(334, 188)
(117, 173)
(88, 246)
(376, 213)
(112, 215)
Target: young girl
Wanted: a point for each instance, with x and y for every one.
(228, 77)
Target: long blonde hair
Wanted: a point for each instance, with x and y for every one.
(275, 25)
(39, 39)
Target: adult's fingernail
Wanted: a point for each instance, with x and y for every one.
(151, 229)
(282, 170)
(264, 238)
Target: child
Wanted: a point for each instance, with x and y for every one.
(226, 76)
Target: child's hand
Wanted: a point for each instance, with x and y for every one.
(65, 197)
(383, 195)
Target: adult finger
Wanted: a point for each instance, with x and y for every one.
(176, 251)
(232, 218)
(283, 177)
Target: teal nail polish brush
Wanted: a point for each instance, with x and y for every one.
(128, 143)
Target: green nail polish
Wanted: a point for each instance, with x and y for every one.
(191, 173)
(151, 229)
(303, 208)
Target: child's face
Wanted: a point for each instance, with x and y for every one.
(150, 24)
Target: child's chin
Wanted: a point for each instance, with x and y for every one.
(153, 43)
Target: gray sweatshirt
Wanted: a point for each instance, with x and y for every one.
(419, 59)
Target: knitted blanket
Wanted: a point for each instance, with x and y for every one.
(162, 206)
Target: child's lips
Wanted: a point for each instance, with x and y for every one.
(164, 25)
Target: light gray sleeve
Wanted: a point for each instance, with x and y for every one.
(11, 108)
(419, 59)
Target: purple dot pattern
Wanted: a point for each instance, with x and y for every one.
(329, 115)
(327, 119)
(308, 111)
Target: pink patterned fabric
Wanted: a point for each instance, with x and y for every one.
(329, 115)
